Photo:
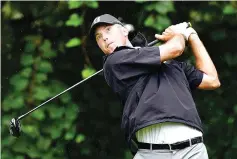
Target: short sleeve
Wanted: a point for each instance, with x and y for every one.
(193, 75)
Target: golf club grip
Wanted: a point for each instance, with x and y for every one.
(156, 41)
(153, 42)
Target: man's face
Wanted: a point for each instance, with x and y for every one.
(108, 37)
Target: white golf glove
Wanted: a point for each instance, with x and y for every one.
(183, 29)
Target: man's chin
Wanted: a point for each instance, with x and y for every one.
(111, 50)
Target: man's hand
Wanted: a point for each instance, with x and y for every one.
(173, 30)
(169, 33)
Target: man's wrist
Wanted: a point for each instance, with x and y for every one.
(192, 37)
(188, 32)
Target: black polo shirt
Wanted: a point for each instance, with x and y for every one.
(150, 91)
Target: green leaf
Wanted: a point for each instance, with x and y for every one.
(33, 152)
(27, 60)
(80, 138)
(162, 22)
(14, 102)
(160, 7)
(157, 22)
(66, 124)
(20, 157)
(6, 155)
(73, 42)
(150, 7)
(70, 134)
(55, 132)
(39, 114)
(43, 143)
(231, 120)
(74, 20)
(19, 83)
(55, 112)
(7, 9)
(56, 87)
(65, 98)
(74, 4)
(26, 72)
(164, 7)
(195, 15)
(41, 93)
(19, 146)
(45, 66)
(45, 46)
(32, 40)
(29, 46)
(40, 77)
(48, 155)
(7, 140)
(149, 21)
(49, 54)
(92, 4)
(16, 15)
(229, 9)
(30, 130)
(47, 50)
(72, 112)
(88, 71)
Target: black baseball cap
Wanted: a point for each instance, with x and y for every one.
(105, 18)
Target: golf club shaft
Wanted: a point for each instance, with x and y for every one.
(22, 116)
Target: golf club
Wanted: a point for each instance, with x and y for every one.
(15, 126)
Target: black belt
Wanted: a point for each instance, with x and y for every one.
(175, 146)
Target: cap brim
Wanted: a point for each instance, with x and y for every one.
(92, 30)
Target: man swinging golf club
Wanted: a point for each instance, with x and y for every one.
(159, 116)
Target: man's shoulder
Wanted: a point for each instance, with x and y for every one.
(119, 54)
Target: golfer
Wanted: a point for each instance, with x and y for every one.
(159, 118)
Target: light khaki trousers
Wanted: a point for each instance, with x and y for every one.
(197, 151)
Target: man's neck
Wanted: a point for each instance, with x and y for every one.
(129, 44)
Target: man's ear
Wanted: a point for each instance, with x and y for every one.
(125, 31)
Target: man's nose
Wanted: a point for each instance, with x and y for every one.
(105, 37)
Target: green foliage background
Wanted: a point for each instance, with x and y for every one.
(45, 50)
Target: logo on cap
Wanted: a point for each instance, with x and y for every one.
(96, 20)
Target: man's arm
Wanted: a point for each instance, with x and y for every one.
(204, 63)
(174, 46)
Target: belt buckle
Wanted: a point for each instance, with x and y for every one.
(170, 147)
(190, 142)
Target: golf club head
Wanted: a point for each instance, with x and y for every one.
(15, 127)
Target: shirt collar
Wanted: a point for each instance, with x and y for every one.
(138, 41)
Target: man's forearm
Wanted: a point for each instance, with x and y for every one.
(172, 48)
(202, 58)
